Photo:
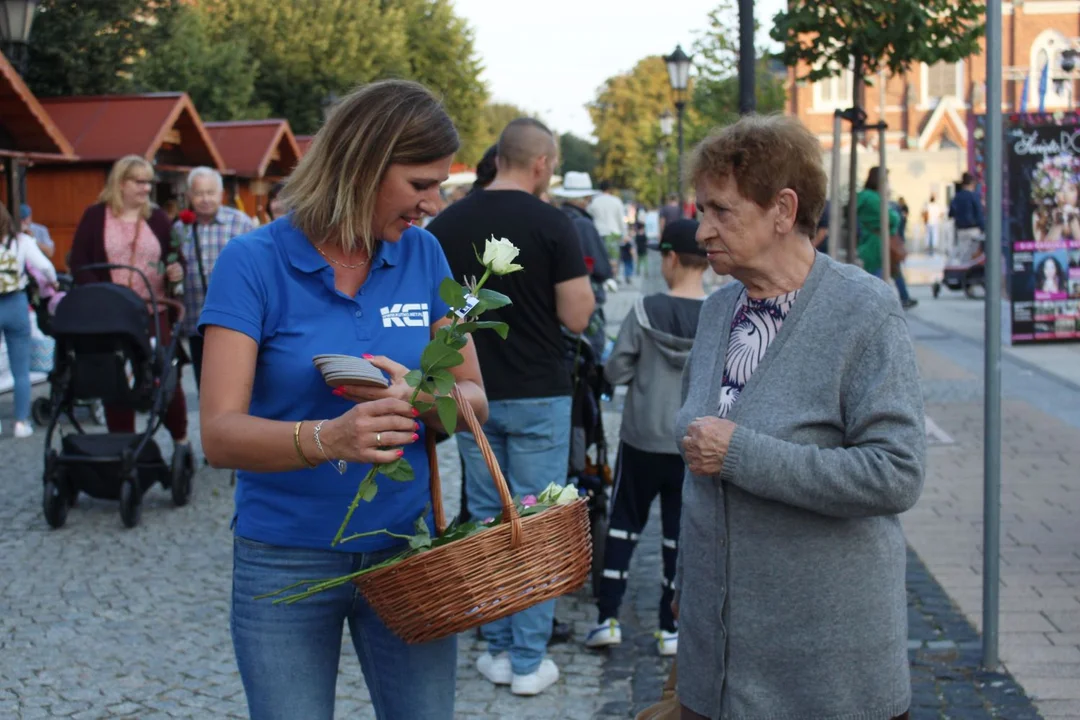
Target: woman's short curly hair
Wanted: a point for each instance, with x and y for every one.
(765, 154)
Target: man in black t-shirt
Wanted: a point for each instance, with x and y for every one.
(526, 377)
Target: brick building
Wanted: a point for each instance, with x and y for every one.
(928, 108)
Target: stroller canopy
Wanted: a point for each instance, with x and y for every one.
(103, 309)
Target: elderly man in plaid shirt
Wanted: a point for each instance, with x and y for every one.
(215, 224)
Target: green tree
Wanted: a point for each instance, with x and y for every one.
(219, 76)
(88, 48)
(441, 53)
(306, 50)
(578, 154)
(626, 117)
(716, 59)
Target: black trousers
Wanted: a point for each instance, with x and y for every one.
(639, 477)
(195, 343)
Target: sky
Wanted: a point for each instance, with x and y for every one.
(550, 57)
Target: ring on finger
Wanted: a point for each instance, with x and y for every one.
(378, 438)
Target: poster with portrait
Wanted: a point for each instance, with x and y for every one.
(1042, 157)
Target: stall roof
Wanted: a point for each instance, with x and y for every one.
(304, 142)
(28, 126)
(256, 148)
(107, 127)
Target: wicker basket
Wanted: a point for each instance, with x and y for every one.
(485, 577)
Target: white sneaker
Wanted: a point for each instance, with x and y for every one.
(537, 681)
(23, 429)
(606, 633)
(667, 643)
(495, 668)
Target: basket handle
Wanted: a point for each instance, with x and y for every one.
(509, 511)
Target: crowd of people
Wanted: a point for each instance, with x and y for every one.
(779, 419)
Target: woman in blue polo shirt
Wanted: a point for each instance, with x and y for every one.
(347, 271)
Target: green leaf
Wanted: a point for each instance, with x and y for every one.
(399, 471)
(456, 339)
(447, 409)
(368, 491)
(500, 327)
(422, 407)
(171, 258)
(439, 356)
(491, 300)
(414, 378)
(444, 381)
(452, 293)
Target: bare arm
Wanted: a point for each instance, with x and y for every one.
(574, 303)
(234, 439)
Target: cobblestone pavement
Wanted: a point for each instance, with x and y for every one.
(101, 622)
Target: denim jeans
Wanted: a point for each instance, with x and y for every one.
(15, 324)
(288, 654)
(531, 440)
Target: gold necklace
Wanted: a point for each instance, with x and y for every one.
(360, 264)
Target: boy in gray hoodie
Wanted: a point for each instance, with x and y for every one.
(650, 352)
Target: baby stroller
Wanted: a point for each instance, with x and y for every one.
(965, 268)
(44, 299)
(104, 351)
(589, 468)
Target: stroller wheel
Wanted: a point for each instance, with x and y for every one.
(41, 411)
(936, 289)
(55, 504)
(598, 527)
(183, 469)
(130, 502)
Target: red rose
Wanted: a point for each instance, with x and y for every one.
(187, 217)
(589, 264)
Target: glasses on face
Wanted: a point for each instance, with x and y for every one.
(139, 181)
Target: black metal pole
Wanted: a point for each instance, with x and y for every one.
(747, 98)
(18, 54)
(679, 105)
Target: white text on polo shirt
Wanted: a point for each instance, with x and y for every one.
(405, 315)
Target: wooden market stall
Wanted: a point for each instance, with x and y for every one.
(27, 134)
(259, 153)
(164, 128)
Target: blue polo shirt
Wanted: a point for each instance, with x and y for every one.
(274, 286)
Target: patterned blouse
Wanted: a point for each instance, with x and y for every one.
(754, 327)
(122, 247)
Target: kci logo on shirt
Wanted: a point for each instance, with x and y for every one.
(405, 315)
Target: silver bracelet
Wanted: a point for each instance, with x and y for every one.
(340, 465)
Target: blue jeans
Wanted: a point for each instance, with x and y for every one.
(288, 654)
(15, 324)
(531, 440)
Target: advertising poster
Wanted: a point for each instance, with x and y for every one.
(1042, 158)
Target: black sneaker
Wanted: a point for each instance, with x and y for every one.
(909, 303)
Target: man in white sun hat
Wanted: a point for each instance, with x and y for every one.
(576, 191)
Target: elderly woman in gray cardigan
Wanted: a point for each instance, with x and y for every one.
(802, 431)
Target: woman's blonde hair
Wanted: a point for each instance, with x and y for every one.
(332, 191)
(112, 194)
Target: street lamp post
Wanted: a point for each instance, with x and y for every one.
(328, 104)
(678, 67)
(16, 18)
(667, 125)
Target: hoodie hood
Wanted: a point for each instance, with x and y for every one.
(674, 349)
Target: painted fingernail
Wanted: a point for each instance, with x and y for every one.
(339, 391)
(367, 356)
(415, 412)
(415, 437)
(416, 426)
(400, 453)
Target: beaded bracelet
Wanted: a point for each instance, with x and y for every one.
(300, 450)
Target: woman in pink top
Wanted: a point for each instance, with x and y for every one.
(124, 229)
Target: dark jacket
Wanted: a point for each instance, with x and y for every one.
(592, 246)
(88, 246)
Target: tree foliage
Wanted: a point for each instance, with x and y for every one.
(716, 58)
(88, 48)
(577, 154)
(626, 116)
(874, 35)
(219, 76)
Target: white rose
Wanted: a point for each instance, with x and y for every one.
(499, 256)
(567, 495)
